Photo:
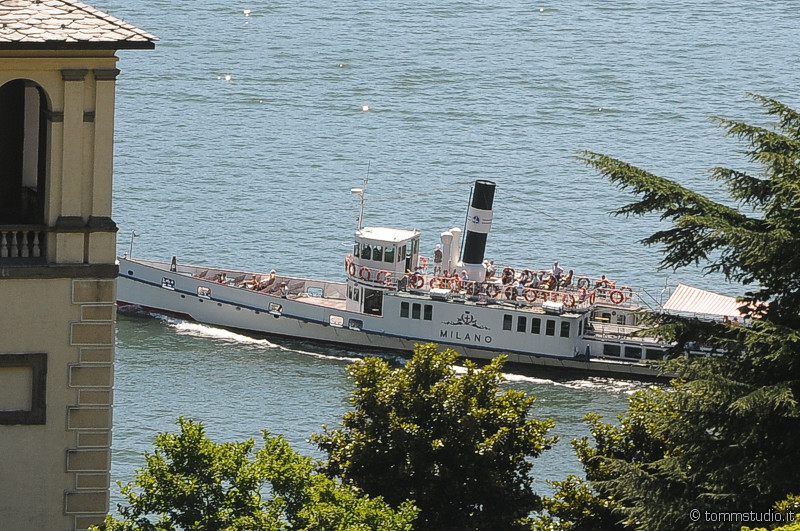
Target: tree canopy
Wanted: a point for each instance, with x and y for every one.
(193, 483)
(726, 436)
(453, 443)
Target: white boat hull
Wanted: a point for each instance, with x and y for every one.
(317, 310)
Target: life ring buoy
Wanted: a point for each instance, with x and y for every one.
(616, 296)
(364, 273)
(568, 300)
(388, 280)
(526, 276)
(351, 269)
(492, 290)
(592, 297)
(416, 281)
(423, 262)
(454, 284)
(529, 294)
(509, 292)
(435, 283)
(627, 292)
(583, 282)
(382, 274)
(508, 271)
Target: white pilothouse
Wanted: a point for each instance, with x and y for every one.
(393, 298)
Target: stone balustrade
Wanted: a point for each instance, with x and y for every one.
(22, 242)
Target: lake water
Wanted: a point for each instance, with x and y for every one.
(239, 137)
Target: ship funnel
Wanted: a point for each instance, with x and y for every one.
(479, 223)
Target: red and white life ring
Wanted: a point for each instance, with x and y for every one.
(416, 281)
(529, 294)
(351, 269)
(364, 273)
(592, 296)
(568, 300)
(616, 296)
(382, 275)
(627, 292)
(435, 283)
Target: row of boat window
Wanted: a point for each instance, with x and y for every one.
(379, 253)
(536, 325)
(632, 352)
(417, 310)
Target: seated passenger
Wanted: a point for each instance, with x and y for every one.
(604, 282)
(566, 280)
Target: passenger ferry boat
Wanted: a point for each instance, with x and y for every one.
(393, 298)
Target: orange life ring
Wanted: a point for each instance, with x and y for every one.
(592, 297)
(416, 281)
(435, 283)
(616, 296)
(351, 269)
(364, 273)
(526, 276)
(492, 290)
(569, 300)
(627, 292)
(583, 282)
(423, 262)
(508, 271)
(529, 294)
(382, 274)
(454, 284)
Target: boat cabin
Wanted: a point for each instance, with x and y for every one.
(381, 256)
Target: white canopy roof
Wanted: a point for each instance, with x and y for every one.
(686, 299)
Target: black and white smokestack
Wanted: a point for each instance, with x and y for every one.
(479, 223)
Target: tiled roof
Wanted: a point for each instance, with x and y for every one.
(65, 24)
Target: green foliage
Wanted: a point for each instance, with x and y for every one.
(193, 483)
(726, 436)
(454, 444)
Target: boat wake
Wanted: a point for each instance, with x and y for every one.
(202, 330)
(607, 385)
(198, 329)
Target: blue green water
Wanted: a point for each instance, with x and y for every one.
(238, 138)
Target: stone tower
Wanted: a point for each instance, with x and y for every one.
(57, 260)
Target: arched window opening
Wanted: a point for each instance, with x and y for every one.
(23, 143)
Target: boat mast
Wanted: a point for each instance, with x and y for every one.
(360, 192)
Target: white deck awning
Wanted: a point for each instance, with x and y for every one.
(686, 299)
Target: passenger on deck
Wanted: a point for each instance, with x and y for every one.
(535, 280)
(582, 294)
(566, 280)
(557, 270)
(284, 290)
(490, 270)
(437, 260)
(604, 282)
(464, 276)
(547, 281)
(519, 288)
(508, 276)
